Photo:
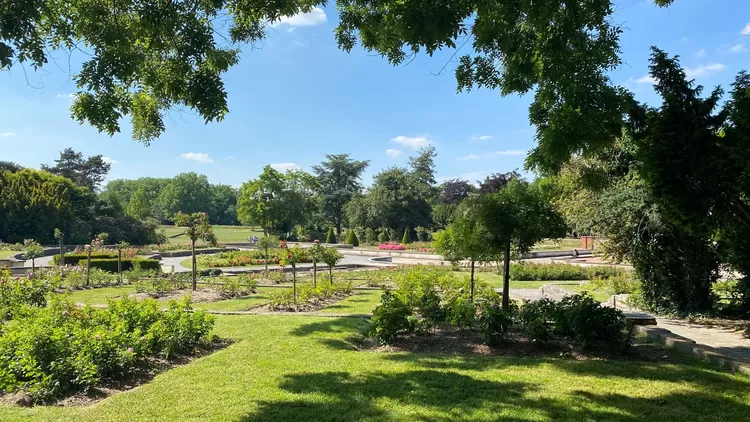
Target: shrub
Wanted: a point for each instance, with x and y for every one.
(390, 318)
(494, 322)
(17, 292)
(428, 306)
(351, 238)
(370, 237)
(60, 349)
(127, 264)
(383, 236)
(331, 237)
(548, 272)
(281, 298)
(423, 233)
(625, 283)
(405, 239)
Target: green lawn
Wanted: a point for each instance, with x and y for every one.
(6, 254)
(362, 302)
(100, 295)
(567, 244)
(298, 368)
(223, 233)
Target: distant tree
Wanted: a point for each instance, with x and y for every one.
(89, 172)
(273, 201)
(496, 181)
(10, 166)
(140, 204)
(196, 228)
(423, 172)
(186, 192)
(265, 243)
(517, 217)
(223, 205)
(339, 180)
(331, 256)
(454, 191)
(32, 250)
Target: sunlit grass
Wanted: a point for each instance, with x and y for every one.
(362, 302)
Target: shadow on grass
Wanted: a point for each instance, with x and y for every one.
(446, 395)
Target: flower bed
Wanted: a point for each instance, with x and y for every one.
(247, 258)
(391, 247)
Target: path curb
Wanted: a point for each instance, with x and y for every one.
(685, 345)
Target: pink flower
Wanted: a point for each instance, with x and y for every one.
(130, 350)
(317, 241)
(203, 213)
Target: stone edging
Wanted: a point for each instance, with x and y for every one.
(670, 339)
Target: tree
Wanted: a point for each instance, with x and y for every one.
(32, 250)
(88, 172)
(265, 243)
(331, 256)
(186, 192)
(496, 181)
(339, 180)
(223, 205)
(316, 253)
(454, 191)
(196, 227)
(405, 239)
(517, 217)
(423, 172)
(10, 166)
(464, 239)
(140, 204)
(273, 201)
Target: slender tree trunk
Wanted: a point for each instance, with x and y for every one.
(62, 254)
(315, 273)
(195, 282)
(472, 281)
(88, 268)
(266, 263)
(294, 282)
(119, 264)
(506, 278)
(330, 273)
(338, 228)
(33, 266)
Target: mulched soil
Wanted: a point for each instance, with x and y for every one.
(312, 306)
(464, 342)
(140, 374)
(200, 295)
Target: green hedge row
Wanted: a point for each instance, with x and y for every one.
(74, 258)
(548, 272)
(110, 264)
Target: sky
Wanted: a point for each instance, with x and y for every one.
(295, 97)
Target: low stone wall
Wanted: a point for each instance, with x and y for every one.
(203, 251)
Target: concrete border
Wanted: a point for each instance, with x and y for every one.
(685, 345)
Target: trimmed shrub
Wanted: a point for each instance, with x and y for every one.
(494, 322)
(331, 237)
(351, 238)
(383, 236)
(548, 272)
(370, 236)
(110, 264)
(405, 239)
(76, 258)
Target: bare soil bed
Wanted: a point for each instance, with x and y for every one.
(311, 306)
(199, 296)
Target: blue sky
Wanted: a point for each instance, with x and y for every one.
(295, 97)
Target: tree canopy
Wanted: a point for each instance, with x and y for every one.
(89, 172)
(339, 180)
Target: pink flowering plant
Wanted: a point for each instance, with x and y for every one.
(392, 247)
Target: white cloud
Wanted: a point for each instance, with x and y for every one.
(704, 70)
(315, 16)
(70, 96)
(197, 156)
(285, 166)
(738, 48)
(745, 30)
(6, 134)
(411, 142)
(110, 160)
(393, 152)
(645, 79)
(700, 53)
(481, 138)
(489, 155)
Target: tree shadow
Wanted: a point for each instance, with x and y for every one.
(331, 325)
(447, 396)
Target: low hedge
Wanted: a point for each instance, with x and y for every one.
(75, 258)
(109, 263)
(547, 272)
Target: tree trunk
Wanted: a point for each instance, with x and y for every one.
(266, 263)
(330, 273)
(119, 264)
(195, 282)
(315, 274)
(506, 278)
(88, 268)
(33, 266)
(62, 254)
(338, 228)
(472, 281)
(294, 282)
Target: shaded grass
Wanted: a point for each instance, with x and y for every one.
(362, 302)
(567, 244)
(299, 368)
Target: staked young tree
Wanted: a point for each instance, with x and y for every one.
(196, 228)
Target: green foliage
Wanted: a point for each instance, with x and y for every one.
(53, 351)
(423, 234)
(88, 173)
(283, 299)
(351, 238)
(370, 236)
(17, 292)
(107, 261)
(617, 284)
(32, 249)
(331, 256)
(494, 322)
(331, 236)
(406, 239)
(528, 271)
(338, 178)
(383, 236)
(390, 318)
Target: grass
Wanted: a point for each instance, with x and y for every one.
(96, 296)
(223, 233)
(284, 368)
(6, 254)
(363, 302)
(496, 280)
(567, 244)
(238, 303)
